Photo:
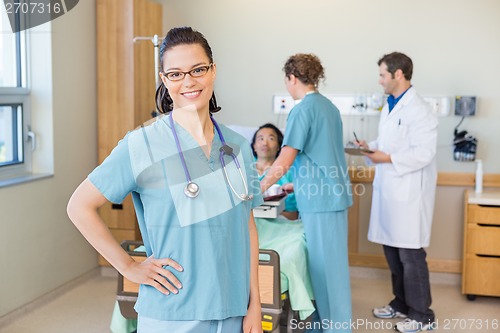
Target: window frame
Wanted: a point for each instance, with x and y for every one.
(20, 95)
(25, 167)
(14, 135)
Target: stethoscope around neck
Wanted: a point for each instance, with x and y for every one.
(192, 189)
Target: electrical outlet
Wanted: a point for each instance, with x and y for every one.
(283, 104)
(440, 105)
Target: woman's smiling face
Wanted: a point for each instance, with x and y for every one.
(189, 91)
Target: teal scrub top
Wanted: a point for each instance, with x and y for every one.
(321, 179)
(207, 235)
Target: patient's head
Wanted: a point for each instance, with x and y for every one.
(266, 142)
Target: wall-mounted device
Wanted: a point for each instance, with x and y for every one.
(465, 145)
(465, 106)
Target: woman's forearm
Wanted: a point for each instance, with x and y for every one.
(254, 263)
(279, 168)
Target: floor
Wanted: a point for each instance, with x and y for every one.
(87, 307)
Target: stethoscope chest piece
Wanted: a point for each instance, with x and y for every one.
(246, 197)
(226, 149)
(192, 190)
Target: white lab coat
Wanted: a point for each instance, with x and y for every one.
(404, 191)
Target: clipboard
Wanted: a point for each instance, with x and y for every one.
(357, 151)
(275, 197)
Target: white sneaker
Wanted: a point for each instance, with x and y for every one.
(412, 326)
(387, 312)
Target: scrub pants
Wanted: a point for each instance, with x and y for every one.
(229, 325)
(326, 238)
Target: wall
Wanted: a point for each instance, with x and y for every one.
(453, 43)
(42, 249)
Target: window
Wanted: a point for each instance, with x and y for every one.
(15, 135)
(13, 71)
(11, 119)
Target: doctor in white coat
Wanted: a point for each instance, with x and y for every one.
(403, 193)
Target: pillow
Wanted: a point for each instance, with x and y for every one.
(246, 131)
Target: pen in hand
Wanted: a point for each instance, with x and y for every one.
(363, 147)
(356, 137)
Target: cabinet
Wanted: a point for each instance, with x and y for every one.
(125, 87)
(481, 260)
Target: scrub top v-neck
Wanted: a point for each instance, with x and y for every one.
(207, 235)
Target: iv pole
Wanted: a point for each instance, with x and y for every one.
(156, 43)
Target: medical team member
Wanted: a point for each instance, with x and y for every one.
(313, 144)
(403, 193)
(199, 234)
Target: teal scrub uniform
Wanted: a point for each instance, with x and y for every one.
(323, 193)
(208, 235)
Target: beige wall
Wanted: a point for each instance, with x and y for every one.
(453, 43)
(41, 248)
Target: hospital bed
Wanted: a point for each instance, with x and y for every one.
(287, 238)
(275, 290)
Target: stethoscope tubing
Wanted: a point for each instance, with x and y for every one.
(181, 155)
(224, 150)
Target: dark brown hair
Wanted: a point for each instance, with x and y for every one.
(175, 37)
(398, 60)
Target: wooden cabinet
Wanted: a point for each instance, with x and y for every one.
(125, 87)
(481, 261)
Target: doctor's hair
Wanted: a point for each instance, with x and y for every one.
(279, 136)
(305, 67)
(398, 60)
(175, 37)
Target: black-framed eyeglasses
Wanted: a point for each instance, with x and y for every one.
(195, 72)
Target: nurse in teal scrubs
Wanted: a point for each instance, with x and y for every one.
(313, 147)
(201, 274)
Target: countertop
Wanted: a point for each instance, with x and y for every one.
(490, 197)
